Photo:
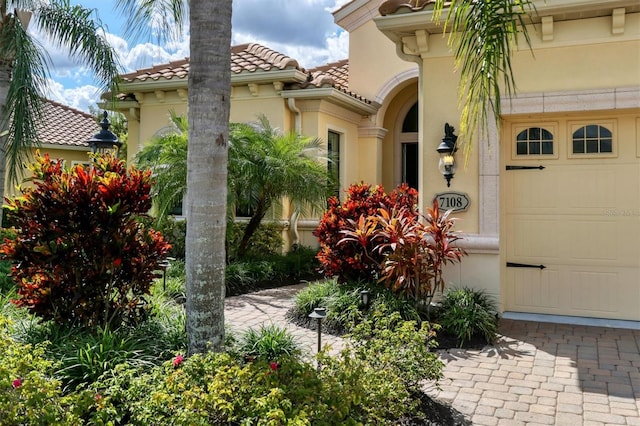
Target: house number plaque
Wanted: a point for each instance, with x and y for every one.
(456, 201)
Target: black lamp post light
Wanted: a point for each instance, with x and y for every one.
(365, 298)
(447, 149)
(105, 140)
(319, 314)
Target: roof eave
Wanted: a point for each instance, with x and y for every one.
(290, 75)
(335, 96)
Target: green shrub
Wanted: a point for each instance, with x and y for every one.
(314, 296)
(29, 395)
(82, 256)
(299, 263)
(223, 389)
(268, 343)
(343, 301)
(265, 242)
(467, 312)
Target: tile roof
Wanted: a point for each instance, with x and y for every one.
(249, 57)
(253, 57)
(334, 74)
(178, 69)
(63, 125)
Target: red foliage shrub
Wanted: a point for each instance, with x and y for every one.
(81, 255)
(416, 251)
(352, 260)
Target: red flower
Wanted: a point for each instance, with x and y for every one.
(274, 366)
(178, 360)
(98, 397)
(17, 383)
(117, 262)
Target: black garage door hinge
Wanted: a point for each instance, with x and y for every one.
(524, 265)
(525, 167)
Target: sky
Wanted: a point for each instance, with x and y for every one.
(301, 29)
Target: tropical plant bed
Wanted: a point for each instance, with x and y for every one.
(444, 340)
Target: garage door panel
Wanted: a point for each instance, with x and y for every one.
(531, 238)
(535, 290)
(589, 291)
(591, 240)
(596, 290)
(579, 216)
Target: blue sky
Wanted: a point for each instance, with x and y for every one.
(302, 29)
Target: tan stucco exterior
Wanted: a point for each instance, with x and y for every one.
(584, 65)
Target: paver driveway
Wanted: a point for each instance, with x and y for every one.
(537, 373)
(548, 374)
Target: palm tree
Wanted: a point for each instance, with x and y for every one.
(24, 69)
(265, 166)
(208, 100)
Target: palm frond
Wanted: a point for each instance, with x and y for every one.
(25, 96)
(482, 35)
(162, 19)
(77, 29)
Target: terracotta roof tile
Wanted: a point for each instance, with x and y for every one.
(252, 57)
(245, 57)
(178, 69)
(335, 74)
(63, 125)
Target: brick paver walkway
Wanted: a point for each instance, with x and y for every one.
(537, 374)
(547, 374)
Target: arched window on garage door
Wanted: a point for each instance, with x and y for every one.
(534, 141)
(592, 139)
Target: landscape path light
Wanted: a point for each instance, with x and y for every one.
(319, 314)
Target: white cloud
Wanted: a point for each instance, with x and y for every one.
(81, 97)
(301, 29)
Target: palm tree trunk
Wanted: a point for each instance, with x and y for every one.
(209, 92)
(252, 227)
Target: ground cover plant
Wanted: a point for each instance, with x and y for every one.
(466, 314)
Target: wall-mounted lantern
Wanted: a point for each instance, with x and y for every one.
(447, 149)
(105, 140)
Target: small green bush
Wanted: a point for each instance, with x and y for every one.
(343, 301)
(268, 343)
(29, 393)
(467, 312)
(267, 240)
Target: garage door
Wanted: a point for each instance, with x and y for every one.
(571, 226)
